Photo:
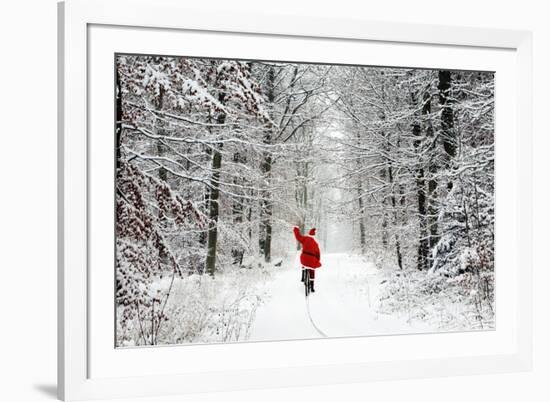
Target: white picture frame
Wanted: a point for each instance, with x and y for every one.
(80, 377)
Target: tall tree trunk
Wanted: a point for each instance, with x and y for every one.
(118, 123)
(237, 212)
(360, 202)
(432, 204)
(203, 235)
(447, 121)
(382, 116)
(422, 255)
(213, 214)
(302, 197)
(266, 209)
(395, 218)
(385, 234)
(362, 232)
(267, 212)
(158, 129)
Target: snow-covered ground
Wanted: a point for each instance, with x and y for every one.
(266, 302)
(344, 303)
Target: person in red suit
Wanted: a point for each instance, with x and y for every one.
(311, 255)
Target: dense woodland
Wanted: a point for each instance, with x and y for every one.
(218, 159)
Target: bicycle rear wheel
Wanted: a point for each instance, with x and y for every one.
(306, 282)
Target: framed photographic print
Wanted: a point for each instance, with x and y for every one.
(249, 198)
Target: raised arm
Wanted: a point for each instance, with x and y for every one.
(297, 234)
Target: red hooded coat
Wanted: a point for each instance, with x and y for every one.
(311, 255)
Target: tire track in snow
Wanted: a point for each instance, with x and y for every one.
(313, 322)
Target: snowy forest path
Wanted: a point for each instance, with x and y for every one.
(343, 304)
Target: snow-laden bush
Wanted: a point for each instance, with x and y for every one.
(202, 308)
(446, 303)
